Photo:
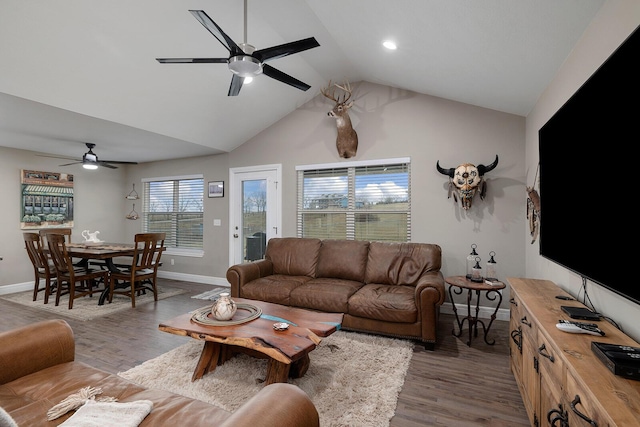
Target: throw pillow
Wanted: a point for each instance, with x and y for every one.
(6, 420)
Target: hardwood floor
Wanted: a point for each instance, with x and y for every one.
(455, 385)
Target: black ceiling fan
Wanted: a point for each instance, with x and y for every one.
(244, 60)
(90, 160)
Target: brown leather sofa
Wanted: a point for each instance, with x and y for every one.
(393, 289)
(38, 371)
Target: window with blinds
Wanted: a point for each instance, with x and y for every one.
(357, 201)
(174, 205)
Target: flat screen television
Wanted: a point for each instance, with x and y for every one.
(590, 177)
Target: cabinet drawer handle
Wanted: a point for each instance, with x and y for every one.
(543, 353)
(524, 321)
(558, 415)
(516, 336)
(576, 401)
(513, 301)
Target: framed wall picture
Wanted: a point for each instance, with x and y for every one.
(216, 188)
(47, 199)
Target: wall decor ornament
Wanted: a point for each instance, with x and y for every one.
(465, 180)
(533, 209)
(47, 199)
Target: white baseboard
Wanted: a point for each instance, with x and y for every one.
(17, 287)
(207, 280)
(483, 313)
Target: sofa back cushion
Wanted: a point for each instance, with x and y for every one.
(343, 259)
(293, 256)
(401, 263)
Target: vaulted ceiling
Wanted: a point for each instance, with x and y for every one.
(79, 71)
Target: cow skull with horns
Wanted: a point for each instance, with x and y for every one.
(465, 180)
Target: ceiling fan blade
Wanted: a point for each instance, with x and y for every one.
(193, 60)
(58, 157)
(73, 163)
(284, 78)
(285, 49)
(236, 85)
(106, 165)
(217, 32)
(117, 162)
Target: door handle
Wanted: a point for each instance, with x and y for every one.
(235, 236)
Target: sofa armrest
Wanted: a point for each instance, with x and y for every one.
(276, 405)
(35, 347)
(240, 274)
(431, 287)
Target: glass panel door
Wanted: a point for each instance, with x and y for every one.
(254, 211)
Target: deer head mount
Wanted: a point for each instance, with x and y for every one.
(347, 139)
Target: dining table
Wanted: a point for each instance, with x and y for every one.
(101, 252)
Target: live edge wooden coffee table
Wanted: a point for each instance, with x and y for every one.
(287, 350)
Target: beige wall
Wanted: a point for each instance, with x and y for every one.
(212, 266)
(615, 21)
(99, 204)
(390, 123)
(396, 123)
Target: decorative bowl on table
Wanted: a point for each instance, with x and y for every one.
(224, 308)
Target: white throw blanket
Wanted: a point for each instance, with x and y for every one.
(110, 414)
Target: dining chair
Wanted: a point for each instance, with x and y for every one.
(142, 273)
(46, 231)
(42, 267)
(79, 281)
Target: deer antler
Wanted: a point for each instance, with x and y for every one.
(331, 95)
(346, 87)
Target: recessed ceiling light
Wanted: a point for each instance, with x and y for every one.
(389, 45)
(247, 80)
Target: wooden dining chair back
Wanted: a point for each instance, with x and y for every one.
(76, 281)
(143, 272)
(46, 231)
(42, 268)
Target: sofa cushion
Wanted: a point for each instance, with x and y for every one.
(343, 259)
(401, 263)
(293, 256)
(390, 303)
(36, 393)
(275, 288)
(325, 294)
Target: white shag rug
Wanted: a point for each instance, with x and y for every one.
(353, 380)
(87, 308)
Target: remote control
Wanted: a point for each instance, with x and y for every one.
(590, 325)
(575, 329)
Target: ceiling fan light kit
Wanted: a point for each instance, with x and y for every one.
(244, 60)
(245, 66)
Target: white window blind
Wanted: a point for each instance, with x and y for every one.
(361, 201)
(174, 205)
